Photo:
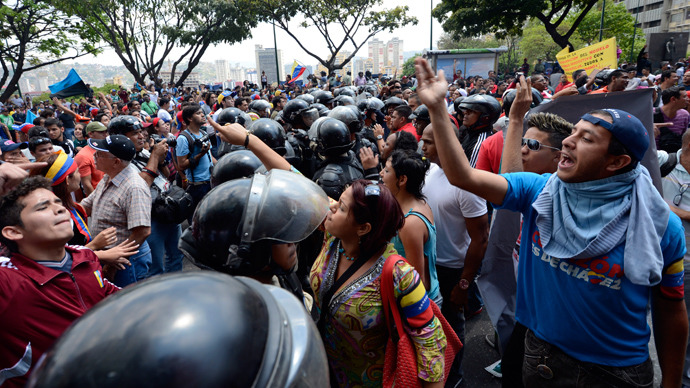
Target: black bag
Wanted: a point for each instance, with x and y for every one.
(172, 206)
(668, 141)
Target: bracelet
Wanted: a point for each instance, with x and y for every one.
(246, 141)
(150, 172)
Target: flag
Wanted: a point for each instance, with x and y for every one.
(297, 71)
(497, 283)
(30, 116)
(68, 87)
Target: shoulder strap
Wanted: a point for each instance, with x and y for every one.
(420, 215)
(670, 164)
(390, 305)
(658, 116)
(190, 146)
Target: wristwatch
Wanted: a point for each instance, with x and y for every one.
(464, 284)
(379, 137)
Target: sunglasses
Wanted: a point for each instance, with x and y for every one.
(679, 196)
(40, 140)
(535, 145)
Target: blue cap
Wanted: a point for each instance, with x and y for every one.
(627, 129)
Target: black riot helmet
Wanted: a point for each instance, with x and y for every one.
(347, 91)
(271, 133)
(421, 113)
(509, 98)
(603, 77)
(260, 107)
(231, 116)
(237, 222)
(343, 100)
(362, 104)
(235, 165)
(192, 329)
(323, 109)
(323, 97)
(392, 102)
(306, 97)
(121, 125)
(456, 104)
(488, 107)
(299, 114)
(333, 138)
(348, 116)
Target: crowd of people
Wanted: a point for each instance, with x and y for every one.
(314, 188)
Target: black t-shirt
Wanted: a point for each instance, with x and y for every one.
(67, 120)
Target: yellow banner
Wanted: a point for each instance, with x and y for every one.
(596, 56)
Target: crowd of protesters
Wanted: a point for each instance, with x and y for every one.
(415, 166)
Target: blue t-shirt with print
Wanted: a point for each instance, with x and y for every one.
(586, 307)
(202, 171)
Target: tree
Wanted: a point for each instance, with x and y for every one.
(34, 34)
(144, 33)
(508, 17)
(337, 22)
(448, 42)
(618, 23)
(536, 43)
(408, 66)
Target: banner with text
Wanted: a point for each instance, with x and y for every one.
(596, 56)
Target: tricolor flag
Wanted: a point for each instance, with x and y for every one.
(68, 87)
(297, 71)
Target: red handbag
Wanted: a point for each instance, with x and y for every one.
(400, 364)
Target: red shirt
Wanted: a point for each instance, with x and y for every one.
(39, 303)
(489, 158)
(411, 129)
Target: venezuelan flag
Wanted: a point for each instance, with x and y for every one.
(297, 71)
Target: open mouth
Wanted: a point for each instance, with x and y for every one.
(565, 161)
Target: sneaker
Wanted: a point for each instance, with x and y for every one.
(495, 369)
(491, 340)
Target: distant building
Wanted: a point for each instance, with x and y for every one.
(43, 84)
(117, 80)
(192, 81)
(24, 85)
(377, 53)
(222, 70)
(358, 65)
(660, 15)
(266, 62)
(394, 53)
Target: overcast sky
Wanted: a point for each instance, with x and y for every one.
(415, 38)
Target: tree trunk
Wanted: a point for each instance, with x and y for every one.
(12, 85)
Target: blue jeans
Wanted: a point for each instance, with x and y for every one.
(546, 365)
(69, 133)
(447, 279)
(139, 268)
(165, 256)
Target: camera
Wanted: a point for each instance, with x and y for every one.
(172, 142)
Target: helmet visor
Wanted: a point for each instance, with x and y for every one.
(309, 116)
(283, 206)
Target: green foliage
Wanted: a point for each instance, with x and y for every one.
(536, 43)
(507, 17)
(408, 66)
(448, 42)
(37, 33)
(618, 23)
(337, 21)
(143, 33)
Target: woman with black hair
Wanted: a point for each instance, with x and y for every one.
(404, 175)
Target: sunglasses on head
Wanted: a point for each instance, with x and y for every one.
(535, 145)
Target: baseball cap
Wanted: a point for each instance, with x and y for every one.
(627, 129)
(118, 145)
(222, 96)
(95, 126)
(9, 145)
(93, 111)
(24, 127)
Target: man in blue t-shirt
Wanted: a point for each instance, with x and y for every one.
(194, 159)
(598, 244)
